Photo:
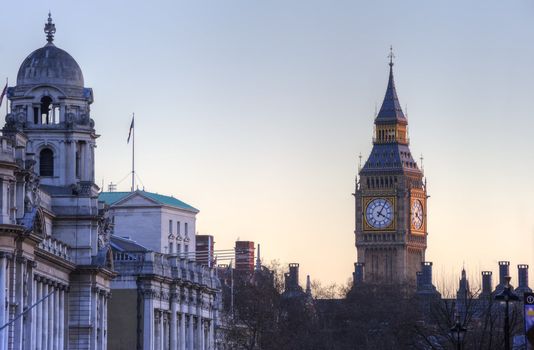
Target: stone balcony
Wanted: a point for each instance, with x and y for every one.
(55, 247)
(166, 265)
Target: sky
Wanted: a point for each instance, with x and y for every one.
(255, 112)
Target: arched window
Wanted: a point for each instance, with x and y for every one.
(46, 102)
(46, 162)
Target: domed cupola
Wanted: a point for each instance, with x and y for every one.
(50, 64)
(51, 107)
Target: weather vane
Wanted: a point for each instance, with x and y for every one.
(422, 166)
(391, 56)
(50, 29)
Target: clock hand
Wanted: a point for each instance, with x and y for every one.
(380, 212)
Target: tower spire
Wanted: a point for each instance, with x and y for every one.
(391, 110)
(50, 29)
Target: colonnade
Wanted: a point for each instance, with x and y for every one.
(186, 326)
(182, 331)
(49, 315)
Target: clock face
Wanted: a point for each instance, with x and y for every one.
(379, 213)
(417, 214)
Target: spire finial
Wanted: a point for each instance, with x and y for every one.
(391, 56)
(50, 29)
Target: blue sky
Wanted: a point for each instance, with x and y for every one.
(255, 113)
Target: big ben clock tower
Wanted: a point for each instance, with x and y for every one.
(390, 194)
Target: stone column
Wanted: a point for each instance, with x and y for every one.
(62, 318)
(51, 320)
(181, 338)
(71, 162)
(102, 317)
(44, 324)
(20, 272)
(191, 331)
(148, 321)
(46, 302)
(57, 311)
(200, 333)
(105, 334)
(211, 335)
(32, 322)
(174, 328)
(94, 316)
(88, 162)
(39, 320)
(3, 273)
(161, 330)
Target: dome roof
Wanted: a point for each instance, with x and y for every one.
(50, 65)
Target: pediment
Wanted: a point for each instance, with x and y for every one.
(137, 199)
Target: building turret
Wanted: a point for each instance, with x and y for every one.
(51, 105)
(292, 287)
(463, 294)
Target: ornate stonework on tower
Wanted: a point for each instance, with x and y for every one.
(390, 195)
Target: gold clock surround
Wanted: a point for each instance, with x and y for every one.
(367, 226)
(418, 196)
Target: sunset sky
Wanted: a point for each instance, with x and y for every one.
(255, 113)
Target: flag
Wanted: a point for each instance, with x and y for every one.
(3, 94)
(131, 129)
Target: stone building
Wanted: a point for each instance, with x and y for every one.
(390, 200)
(162, 298)
(55, 261)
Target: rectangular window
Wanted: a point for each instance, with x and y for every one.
(178, 247)
(178, 227)
(170, 226)
(186, 250)
(186, 229)
(171, 248)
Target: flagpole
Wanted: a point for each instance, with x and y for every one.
(133, 152)
(7, 102)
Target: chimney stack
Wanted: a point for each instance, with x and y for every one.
(426, 268)
(424, 280)
(244, 256)
(293, 275)
(504, 270)
(522, 277)
(419, 280)
(487, 284)
(359, 273)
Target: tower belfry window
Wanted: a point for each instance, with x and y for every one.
(46, 162)
(46, 103)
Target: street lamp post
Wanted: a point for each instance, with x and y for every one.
(458, 332)
(507, 296)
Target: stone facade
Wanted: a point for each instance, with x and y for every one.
(164, 303)
(164, 299)
(160, 223)
(55, 263)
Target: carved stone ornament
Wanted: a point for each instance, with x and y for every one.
(31, 196)
(105, 228)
